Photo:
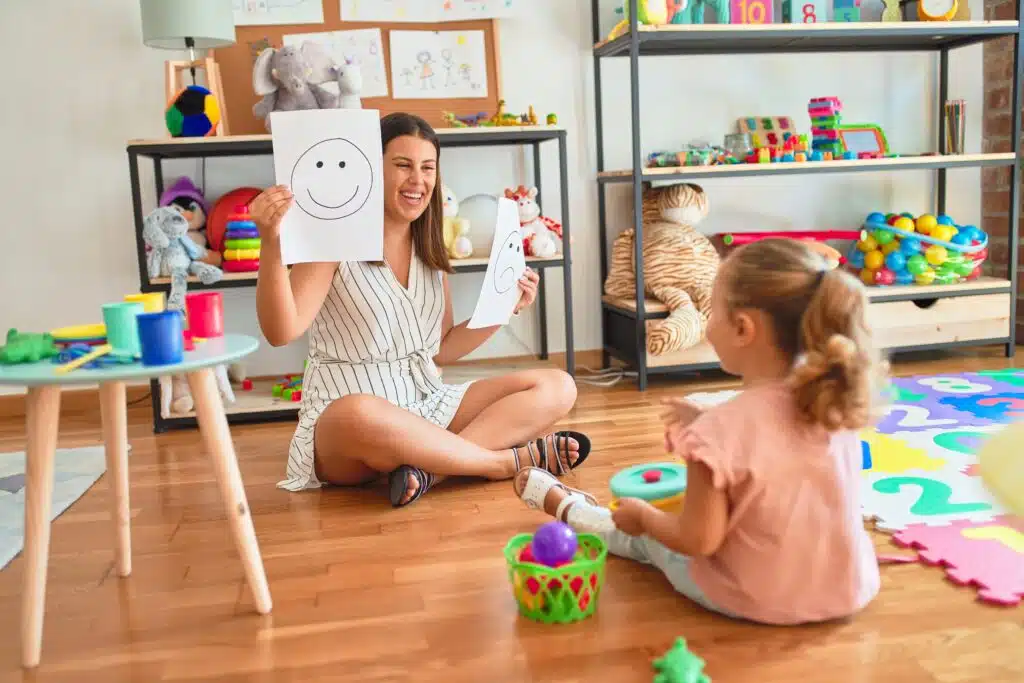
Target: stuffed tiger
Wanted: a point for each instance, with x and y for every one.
(679, 266)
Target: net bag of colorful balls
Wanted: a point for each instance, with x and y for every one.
(926, 250)
(556, 575)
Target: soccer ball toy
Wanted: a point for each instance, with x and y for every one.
(193, 113)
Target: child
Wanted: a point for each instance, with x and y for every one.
(771, 527)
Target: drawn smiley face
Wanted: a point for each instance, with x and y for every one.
(332, 179)
(505, 263)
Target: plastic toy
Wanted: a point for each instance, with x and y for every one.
(846, 10)
(205, 314)
(542, 236)
(456, 230)
(767, 131)
(27, 347)
(123, 327)
(649, 12)
(825, 118)
(161, 337)
(937, 10)
(751, 12)
(193, 112)
(738, 238)
(239, 229)
(559, 595)
(927, 250)
(808, 11)
(290, 389)
(661, 484)
(221, 211)
(679, 665)
(554, 544)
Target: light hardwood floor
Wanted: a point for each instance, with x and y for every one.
(420, 595)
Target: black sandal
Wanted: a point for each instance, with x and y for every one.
(398, 484)
(541, 445)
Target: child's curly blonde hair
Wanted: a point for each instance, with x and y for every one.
(818, 320)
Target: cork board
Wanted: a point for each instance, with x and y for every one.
(236, 64)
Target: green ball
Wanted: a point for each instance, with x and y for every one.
(917, 264)
(965, 268)
(945, 278)
(883, 236)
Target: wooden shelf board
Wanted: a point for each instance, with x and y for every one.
(808, 167)
(258, 400)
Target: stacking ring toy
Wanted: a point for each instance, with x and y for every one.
(662, 484)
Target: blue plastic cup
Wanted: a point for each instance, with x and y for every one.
(122, 327)
(161, 337)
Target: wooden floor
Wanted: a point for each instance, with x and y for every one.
(366, 593)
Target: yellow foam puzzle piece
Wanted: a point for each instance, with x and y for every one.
(893, 456)
(1011, 538)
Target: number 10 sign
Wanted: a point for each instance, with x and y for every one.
(751, 11)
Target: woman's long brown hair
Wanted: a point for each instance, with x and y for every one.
(428, 229)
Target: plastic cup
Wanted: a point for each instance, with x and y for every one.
(153, 302)
(161, 337)
(123, 326)
(205, 312)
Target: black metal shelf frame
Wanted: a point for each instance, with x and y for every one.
(629, 345)
(261, 145)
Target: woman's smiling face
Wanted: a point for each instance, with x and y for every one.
(410, 174)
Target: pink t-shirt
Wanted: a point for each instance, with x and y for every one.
(795, 548)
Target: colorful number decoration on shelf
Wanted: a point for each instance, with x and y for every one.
(846, 10)
(752, 11)
(804, 11)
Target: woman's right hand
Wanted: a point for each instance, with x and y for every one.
(267, 210)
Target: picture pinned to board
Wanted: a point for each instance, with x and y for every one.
(362, 48)
(332, 161)
(266, 12)
(424, 11)
(500, 293)
(438, 64)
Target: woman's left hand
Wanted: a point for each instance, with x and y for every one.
(528, 284)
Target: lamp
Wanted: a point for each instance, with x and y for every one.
(190, 24)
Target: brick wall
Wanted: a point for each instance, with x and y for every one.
(996, 130)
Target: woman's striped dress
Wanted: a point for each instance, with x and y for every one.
(373, 336)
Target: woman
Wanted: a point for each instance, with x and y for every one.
(373, 400)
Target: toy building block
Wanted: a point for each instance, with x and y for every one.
(679, 665)
(27, 347)
(804, 11)
(847, 14)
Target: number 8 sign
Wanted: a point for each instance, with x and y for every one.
(804, 11)
(751, 11)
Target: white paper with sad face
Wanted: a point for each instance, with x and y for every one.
(332, 161)
(500, 292)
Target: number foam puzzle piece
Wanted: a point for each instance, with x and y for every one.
(893, 455)
(989, 556)
(930, 498)
(1005, 407)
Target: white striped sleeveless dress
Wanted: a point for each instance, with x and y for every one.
(373, 336)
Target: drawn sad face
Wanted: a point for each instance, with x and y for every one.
(507, 261)
(332, 179)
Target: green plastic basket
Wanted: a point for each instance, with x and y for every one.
(557, 595)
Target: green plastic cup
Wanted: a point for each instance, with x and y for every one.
(123, 327)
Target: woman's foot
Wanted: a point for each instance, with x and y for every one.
(557, 452)
(407, 483)
(540, 490)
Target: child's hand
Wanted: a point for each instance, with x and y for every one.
(629, 516)
(268, 209)
(679, 411)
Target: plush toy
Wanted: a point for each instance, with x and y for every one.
(456, 230)
(679, 266)
(291, 78)
(172, 254)
(649, 12)
(542, 236)
(188, 199)
(350, 84)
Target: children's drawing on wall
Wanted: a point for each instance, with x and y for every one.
(407, 76)
(445, 64)
(263, 12)
(422, 11)
(507, 263)
(362, 47)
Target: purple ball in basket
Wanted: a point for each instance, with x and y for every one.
(554, 544)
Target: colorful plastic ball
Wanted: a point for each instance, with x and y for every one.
(875, 217)
(555, 543)
(855, 258)
(891, 219)
(943, 233)
(962, 239)
(904, 223)
(884, 277)
(935, 254)
(925, 278)
(874, 260)
(890, 247)
(867, 276)
(965, 268)
(907, 214)
(192, 113)
(910, 246)
(883, 236)
(867, 244)
(925, 223)
(917, 264)
(904, 277)
(945, 278)
(896, 261)
(943, 219)
(972, 232)
(980, 255)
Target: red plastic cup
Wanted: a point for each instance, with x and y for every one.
(205, 312)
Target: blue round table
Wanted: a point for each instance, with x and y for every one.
(41, 424)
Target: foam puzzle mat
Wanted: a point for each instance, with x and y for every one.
(920, 478)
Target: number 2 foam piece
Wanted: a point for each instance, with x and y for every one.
(988, 555)
(332, 161)
(500, 292)
(928, 498)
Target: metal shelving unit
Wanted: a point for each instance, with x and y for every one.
(261, 145)
(623, 322)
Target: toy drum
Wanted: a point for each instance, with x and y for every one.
(205, 312)
(161, 337)
(662, 484)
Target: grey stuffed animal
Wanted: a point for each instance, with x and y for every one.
(172, 254)
(291, 78)
(350, 84)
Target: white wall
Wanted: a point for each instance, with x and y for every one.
(65, 168)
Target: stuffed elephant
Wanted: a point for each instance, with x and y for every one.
(291, 78)
(172, 254)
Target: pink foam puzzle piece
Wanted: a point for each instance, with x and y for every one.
(988, 555)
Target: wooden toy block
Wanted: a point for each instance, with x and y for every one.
(804, 11)
(767, 131)
(751, 11)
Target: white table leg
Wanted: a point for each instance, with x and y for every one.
(213, 425)
(42, 417)
(114, 416)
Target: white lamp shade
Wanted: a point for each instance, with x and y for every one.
(166, 23)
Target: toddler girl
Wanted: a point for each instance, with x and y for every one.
(771, 527)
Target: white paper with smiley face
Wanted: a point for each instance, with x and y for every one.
(500, 291)
(332, 161)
